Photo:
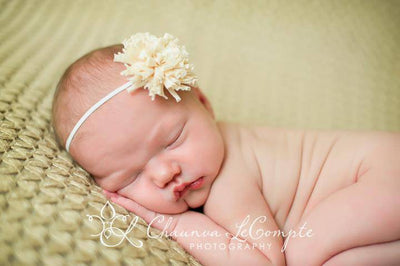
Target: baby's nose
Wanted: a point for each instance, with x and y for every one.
(165, 173)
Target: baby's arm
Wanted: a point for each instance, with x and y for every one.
(190, 221)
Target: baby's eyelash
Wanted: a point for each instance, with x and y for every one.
(177, 137)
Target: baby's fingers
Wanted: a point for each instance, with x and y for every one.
(131, 205)
(157, 220)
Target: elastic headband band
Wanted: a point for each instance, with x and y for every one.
(92, 109)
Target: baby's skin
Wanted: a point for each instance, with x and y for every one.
(343, 185)
(336, 191)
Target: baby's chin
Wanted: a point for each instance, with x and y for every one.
(198, 203)
(183, 207)
(199, 198)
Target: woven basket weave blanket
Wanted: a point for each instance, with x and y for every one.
(308, 64)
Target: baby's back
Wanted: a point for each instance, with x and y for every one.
(295, 169)
(276, 178)
(300, 168)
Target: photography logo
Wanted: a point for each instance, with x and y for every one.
(111, 236)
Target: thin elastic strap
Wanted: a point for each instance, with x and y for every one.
(92, 109)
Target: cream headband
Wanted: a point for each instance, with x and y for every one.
(152, 63)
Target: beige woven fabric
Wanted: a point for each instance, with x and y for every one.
(310, 64)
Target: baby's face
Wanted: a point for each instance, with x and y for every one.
(148, 150)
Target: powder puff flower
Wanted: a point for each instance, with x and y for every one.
(156, 63)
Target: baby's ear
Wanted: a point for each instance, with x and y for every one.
(203, 99)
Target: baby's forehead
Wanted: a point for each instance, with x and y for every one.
(133, 113)
(120, 134)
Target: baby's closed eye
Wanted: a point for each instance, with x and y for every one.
(177, 138)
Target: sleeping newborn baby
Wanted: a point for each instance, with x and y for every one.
(270, 196)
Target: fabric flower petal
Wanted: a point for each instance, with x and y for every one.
(156, 64)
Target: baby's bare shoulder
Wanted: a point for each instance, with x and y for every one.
(364, 145)
(376, 141)
(382, 153)
(369, 144)
(368, 139)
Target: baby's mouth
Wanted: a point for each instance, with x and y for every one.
(180, 191)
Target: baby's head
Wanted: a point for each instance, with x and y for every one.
(146, 150)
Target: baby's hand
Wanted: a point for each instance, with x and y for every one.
(161, 222)
(189, 221)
